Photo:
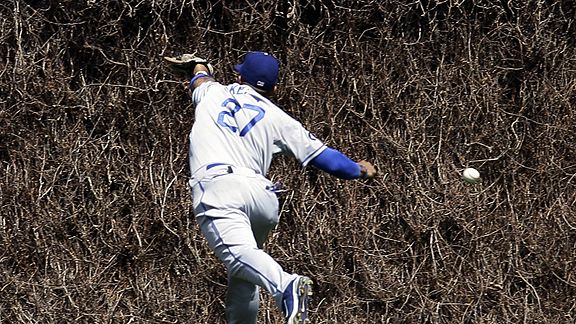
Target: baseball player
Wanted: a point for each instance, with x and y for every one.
(236, 132)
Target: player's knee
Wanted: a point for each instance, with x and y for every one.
(241, 253)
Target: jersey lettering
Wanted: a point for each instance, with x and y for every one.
(238, 89)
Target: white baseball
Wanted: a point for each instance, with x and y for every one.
(471, 175)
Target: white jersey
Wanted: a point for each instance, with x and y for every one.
(236, 125)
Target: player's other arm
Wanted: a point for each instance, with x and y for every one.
(339, 165)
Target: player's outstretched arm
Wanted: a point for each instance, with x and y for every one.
(339, 165)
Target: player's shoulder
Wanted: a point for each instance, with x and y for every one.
(212, 87)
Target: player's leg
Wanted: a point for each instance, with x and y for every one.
(264, 217)
(242, 302)
(262, 211)
(242, 297)
(230, 237)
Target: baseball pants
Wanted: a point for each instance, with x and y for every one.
(236, 209)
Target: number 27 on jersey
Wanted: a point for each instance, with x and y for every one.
(227, 118)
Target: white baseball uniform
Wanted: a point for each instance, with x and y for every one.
(235, 134)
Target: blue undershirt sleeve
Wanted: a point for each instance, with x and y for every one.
(336, 164)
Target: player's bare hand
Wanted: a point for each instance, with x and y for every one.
(367, 170)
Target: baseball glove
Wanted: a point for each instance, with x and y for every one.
(183, 65)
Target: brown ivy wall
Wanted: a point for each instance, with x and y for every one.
(95, 223)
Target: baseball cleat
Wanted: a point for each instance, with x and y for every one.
(295, 300)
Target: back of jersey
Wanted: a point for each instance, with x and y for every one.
(236, 125)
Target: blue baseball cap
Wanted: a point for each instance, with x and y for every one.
(259, 69)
